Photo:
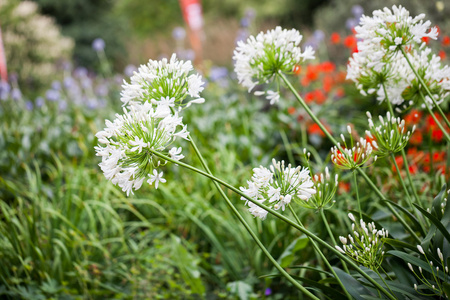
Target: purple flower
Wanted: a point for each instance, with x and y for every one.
(16, 94)
(268, 292)
(98, 44)
(218, 73)
(39, 101)
(29, 105)
(357, 11)
(319, 35)
(129, 70)
(179, 33)
(4, 90)
(351, 23)
(56, 85)
(52, 95)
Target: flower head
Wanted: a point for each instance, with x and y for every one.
(387, 30)
(365, 244)
(389, 136)
(260, 59)
(354, 156)
(127, 157)
(277, 186)
(161, 79)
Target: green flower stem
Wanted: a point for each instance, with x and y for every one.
(426, 88)
(330, 233)
(405, 160)
(402, 182)
(279, 216)
(247, 227)
(447, 136)
(361, 172)
(357, 194)
(322, 255)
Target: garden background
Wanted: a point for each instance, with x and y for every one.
(68, 233)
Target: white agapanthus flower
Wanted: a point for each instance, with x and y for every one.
(126, 157)
(261, 58)
(379, 67)
(435, 76)
(161, 79)
(387, 30)
(276, 187)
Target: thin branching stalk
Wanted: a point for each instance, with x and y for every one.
(447, 136)
(330, 233)
(247, 227)
(279, 216)
(426, 89)
(361, 172)
(322, 255)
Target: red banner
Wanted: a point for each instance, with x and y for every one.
(192, 13)
(3, 70)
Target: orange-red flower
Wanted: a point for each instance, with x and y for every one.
(335, 38)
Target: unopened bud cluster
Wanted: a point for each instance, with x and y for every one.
(326, 186)
(276, 187)
(389, 136)
(364, 244)
(354, 156)
(438, 272)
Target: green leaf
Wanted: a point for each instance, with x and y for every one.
(288, 255)
(416, 261)
(436, 222)
(410, 216)
(446, 288)
(241, 289)
(436, 206)
(353, 287)
(399, 244)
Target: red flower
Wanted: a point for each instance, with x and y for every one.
(446, 41)
(335, 38)
(416, 138)
(426, 39)
(320, 96)
(437, 135)
(309, 97)
(297, 70)
(327, 83)
(442, 54)
(350, 42)
(327, 67)
(291, 110)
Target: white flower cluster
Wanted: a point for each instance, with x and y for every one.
(354, 156)
(127, 157)
(260, 59)
(160, 79)
(379, 67)
(150, 123)
(277, 186)
(365, 244)
(389, 136)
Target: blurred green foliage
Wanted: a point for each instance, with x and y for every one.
(86, 20)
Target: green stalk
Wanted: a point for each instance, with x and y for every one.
(426, 88)
(247, 227)
(279, 216)
(408, 197)
(447, 136)
(361, 172)
(405, 161)
(357, 194)
(330, 233)
(322, 255)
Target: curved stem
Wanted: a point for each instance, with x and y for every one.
(357, 194)
(322, 255)
(447, 136)
(402, 182)
(280, 216)
(247, 227)
(330, 233)
(361, 172)
(426, 88)
(405, 161)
